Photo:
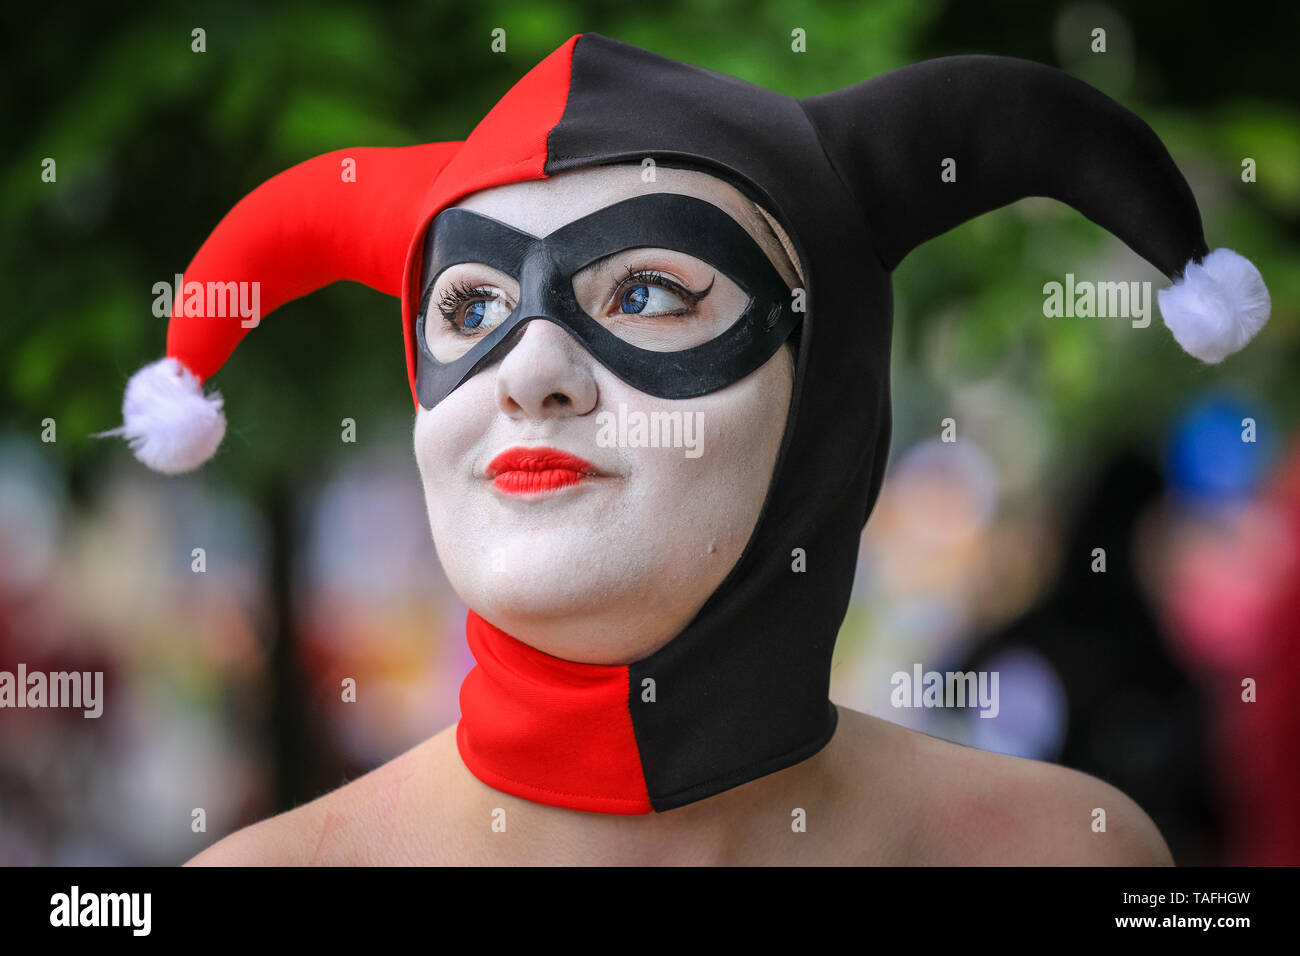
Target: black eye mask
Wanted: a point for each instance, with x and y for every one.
(544, 268)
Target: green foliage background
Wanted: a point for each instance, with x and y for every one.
(154, 143)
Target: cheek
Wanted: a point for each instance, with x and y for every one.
(715, 499)
(749, 421)
(445, 439)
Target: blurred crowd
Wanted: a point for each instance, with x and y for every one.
(1143, 623)
(1170, 669)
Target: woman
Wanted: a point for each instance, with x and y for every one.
(624, 236)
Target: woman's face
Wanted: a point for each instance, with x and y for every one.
(609, 567)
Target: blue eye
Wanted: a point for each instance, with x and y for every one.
(652, 293)
(635, 298)
(474, 314)
(467, 308)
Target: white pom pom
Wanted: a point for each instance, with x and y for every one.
(171, 425)
(1217, 306)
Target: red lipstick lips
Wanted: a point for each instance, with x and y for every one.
(528, 471)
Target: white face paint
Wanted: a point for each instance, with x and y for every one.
(610, 568)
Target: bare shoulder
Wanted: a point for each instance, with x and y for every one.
(995, 809)
(275, 841)
(972, 807)
(362, 822)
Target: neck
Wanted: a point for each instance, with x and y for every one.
(626, 740)
(750, 824)
(548, 730)
(551, 753)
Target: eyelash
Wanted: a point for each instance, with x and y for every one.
(462, 293)
(652, 277)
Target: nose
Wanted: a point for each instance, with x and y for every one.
(545, 374)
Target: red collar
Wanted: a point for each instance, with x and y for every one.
(548, 730)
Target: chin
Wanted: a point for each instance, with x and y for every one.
(544, 588)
